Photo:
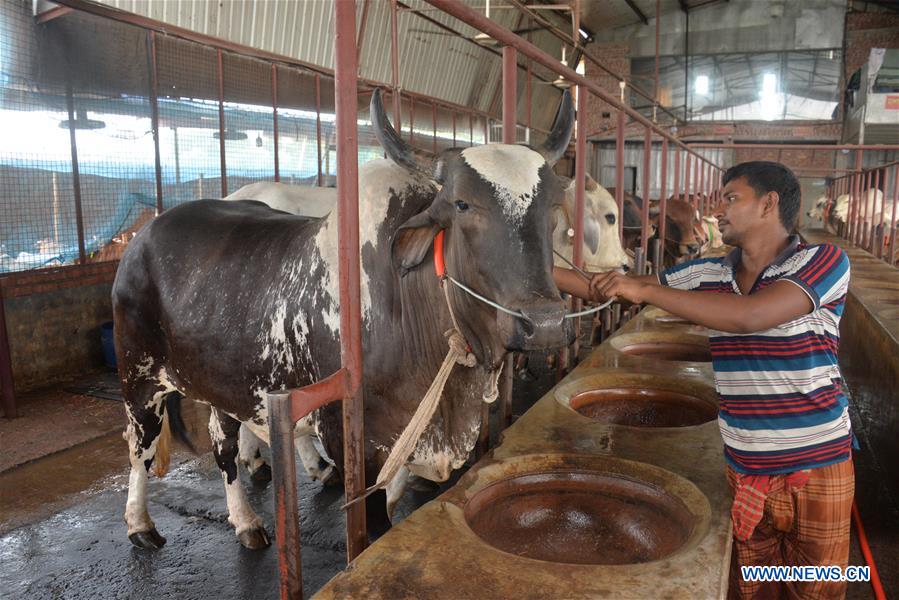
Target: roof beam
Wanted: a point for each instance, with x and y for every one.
(637, 11)
(684, 6)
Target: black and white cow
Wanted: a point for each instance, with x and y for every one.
(221, 301)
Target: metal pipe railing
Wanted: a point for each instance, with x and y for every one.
(506, 37)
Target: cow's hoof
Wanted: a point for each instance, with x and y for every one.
(254, 539)
(148, 540)
(261, 476)
(329, 476)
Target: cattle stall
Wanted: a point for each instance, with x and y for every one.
(120, 112)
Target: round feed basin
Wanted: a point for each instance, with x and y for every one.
(580, 517)
(668, 346)
(642, 407)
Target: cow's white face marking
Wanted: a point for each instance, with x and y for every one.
(514, 172)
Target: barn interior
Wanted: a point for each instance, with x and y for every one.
(116, 111)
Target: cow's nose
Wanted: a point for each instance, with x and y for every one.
(692, 248)
(543, 327)
(625, 268)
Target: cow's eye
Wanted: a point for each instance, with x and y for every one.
(461, 206)
(610, 218)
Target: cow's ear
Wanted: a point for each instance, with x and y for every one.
(590, 184)
(412, 241)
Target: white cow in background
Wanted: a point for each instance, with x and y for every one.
(602, 244)
(834, 213)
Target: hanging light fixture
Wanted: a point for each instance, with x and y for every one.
(482, 38)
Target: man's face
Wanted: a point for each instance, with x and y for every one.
(739, 212)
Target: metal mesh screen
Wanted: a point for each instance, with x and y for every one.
(187, 87)
(37, 205)
(249, 120)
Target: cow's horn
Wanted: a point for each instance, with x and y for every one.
(398, 150)
(557, 141)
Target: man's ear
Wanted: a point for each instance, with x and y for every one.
(412, 241)
(771, 202)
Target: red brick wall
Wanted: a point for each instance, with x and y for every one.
(615, 57)
(869, 30)
(53, 319)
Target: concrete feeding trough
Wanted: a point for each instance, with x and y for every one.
(640, 400)
(663, 345)
(580, 517)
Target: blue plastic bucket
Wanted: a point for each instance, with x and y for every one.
(106, 340)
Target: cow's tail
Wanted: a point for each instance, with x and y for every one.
(173, 409)
(163, 451)
(172, 422)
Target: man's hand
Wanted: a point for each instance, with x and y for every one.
(604, 286)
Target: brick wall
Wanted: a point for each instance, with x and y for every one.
(869, 30)
(615, 57)
(53, 319)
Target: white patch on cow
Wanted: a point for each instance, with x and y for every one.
(240, 513)
(514, 172)
(305, 201)
(136, 515)
(144, 368)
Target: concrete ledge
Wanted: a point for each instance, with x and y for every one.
(869, 351)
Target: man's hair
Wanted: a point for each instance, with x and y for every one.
(765, 176)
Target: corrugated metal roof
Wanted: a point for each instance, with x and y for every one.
(432, 61)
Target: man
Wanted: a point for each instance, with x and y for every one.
(773, 306)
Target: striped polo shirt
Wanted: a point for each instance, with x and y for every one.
(782, 406)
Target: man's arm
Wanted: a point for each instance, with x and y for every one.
(571, 282)
(778, 303)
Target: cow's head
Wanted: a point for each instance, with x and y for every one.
(602, 243)
(682, 223)
(818, 209)
(494, 204)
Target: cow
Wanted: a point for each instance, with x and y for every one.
(681, 227)
(603, 250)
(222, 301)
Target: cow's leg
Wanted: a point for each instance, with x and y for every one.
(250, 452)
(223, 430)
(144, 407)
(316, 466)
(395, 490)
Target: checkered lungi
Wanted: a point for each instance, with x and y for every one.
(808, 526)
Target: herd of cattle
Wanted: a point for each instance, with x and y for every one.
(219, 302)
(873, 209)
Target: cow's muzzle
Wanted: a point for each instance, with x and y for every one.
(538, 328)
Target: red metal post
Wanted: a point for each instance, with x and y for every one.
(663, 205)
(411, 119)
(363, 21)
(527, 95)
(856, 191)
(866, 192)
(395, 70)
(702, 188)
(318, 125)
(874, 216)
(644, 222)
(510, 106)
(454, 129)
(697, 185)
(688, 162)
(879, 239)
(345, 99)
(893, 223)
(510, 93)
(580, 176)
(154, 120)
(434, 124)
(284, 487)
(221, 81)
(619, 172)
(275, 121)
(470, 129)
(7, 383)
